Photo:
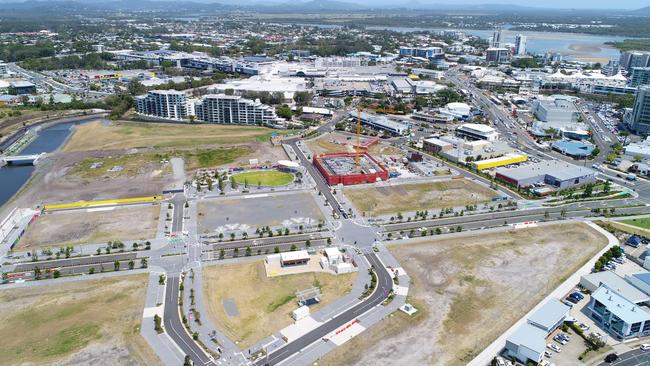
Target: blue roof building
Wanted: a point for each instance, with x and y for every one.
(574, 149)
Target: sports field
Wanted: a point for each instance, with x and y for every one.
(88, 322)
(420, 196)
(269, 178)
(127, 135)
(95, 226)
(643, 223)
(469, 290)
(263, 304)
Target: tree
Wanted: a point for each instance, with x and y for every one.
(56, 273)
(131, 264)
(161, 279)
(143, 263)
(608, 186)
(157, 321)
(91, 270)
(248, 251)
(188, 361)
(276, 250)
(117, 265)
(37, 273)
(135, 87)
(283, 111)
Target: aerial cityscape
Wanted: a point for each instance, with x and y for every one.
(301, 183)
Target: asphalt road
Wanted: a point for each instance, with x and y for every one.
(635, 357)
(174, 325)
(384, 285)
(78, 261)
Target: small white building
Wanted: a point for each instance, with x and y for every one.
(300, 313)
(294, 258)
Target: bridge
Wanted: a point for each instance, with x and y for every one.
(21, 159)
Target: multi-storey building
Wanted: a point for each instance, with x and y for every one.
(497, 55)
(640, 76)
(631, 59)
(230, 109)
(520, 44)
(169, 104)
(427, 52)
(639, 118)
(3, 69)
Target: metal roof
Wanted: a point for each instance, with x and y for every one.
(529, 336)
(620, 306)
(617, 283)
(549, 314)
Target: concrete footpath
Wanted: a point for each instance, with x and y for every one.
(485, 357)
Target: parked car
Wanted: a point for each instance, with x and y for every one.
(583, 326)
(500, 361)
(554, 348)
(547, 354)
(611, 357)
(564, 336)
(560, 340)
(572, 299)
(577, 295)
(645, 347)
(567, 303)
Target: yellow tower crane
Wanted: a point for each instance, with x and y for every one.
(356, 159)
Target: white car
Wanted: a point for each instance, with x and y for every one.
(500, 361)
(554, 348)
(645, 347)
(547, 354)
(583, 326)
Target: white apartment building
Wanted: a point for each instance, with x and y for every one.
(230, 109)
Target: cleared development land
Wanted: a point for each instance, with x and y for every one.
(75, 323)
(470, 289)
(286, 210)
(262, 304)
(91, 226)
(420, 196)
(127, 135)
(130, 165)
(339, 142)
(272, 178)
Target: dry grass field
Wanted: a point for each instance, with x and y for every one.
(128, 135)
(83, 226)
(264, 304)
(420, 196)
(94, 322)
(469, 290)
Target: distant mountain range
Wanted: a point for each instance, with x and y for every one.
(267, 6)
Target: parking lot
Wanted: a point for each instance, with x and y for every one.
(246, 214)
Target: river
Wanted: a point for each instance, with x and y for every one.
(12, 178)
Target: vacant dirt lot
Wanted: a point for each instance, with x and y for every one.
(77, 323)
(421, 196)
(264, 304)
(127, 135)
(471, 289)
(338, 142)
(84, 227)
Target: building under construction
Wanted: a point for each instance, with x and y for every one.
(350, 168)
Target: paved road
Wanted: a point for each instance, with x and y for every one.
(636, 357)
(513, 216)
(79, 261)
(179, 206)
(174, 325)
(384, 285)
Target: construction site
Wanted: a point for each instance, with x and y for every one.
(350, 168)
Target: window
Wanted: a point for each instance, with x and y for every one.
(646, 326)
(635, 328)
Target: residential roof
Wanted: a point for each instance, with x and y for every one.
(620, 306)
(549, 314)
(529, 336)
